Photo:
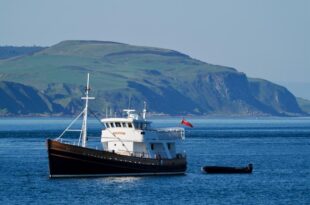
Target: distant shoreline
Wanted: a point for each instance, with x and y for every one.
(161, 116)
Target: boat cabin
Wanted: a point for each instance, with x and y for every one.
(134, 136)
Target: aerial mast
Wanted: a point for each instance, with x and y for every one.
(85, 112)
(144, 111)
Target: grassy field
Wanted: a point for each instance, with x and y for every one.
(111, 65)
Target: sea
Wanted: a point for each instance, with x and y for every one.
(278, 148)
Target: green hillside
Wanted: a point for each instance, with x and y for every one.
(171, 82)
(13, 51)
(110, 63)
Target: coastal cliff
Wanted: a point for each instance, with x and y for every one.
(50, 81)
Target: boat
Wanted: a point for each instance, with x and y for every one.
(129, 146)
(227, 170)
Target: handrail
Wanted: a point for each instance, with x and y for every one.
(133, 154)
(170, 132)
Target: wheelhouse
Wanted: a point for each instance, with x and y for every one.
(120, 123)
(134, 136)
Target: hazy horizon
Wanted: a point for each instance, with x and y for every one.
(264, 39)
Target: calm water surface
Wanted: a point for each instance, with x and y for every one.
(278, 148)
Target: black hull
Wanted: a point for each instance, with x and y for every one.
(67, 160)
(228, 170)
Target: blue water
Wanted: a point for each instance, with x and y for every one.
(279, 148)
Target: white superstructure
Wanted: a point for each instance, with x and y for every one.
(133, 136)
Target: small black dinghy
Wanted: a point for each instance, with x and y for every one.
(227, 170)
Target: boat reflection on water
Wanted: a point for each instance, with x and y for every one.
(122, 180)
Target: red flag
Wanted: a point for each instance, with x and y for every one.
(186, 123)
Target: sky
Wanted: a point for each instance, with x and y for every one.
(267, 39)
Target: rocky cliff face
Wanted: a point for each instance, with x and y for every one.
(18, 99)
(227, 92)
(274, 96)
(304, 104)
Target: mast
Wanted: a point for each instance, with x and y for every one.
(144, 111)
(85, 112)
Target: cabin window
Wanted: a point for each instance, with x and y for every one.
(117, 124)
(152, 146)
(136, 125)
(112, 124)
(169, 146)
(144, 126)
(107, 125)
(130, 125)
(124, 124)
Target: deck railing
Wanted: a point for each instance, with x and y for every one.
(125, 152)
(169, 133)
